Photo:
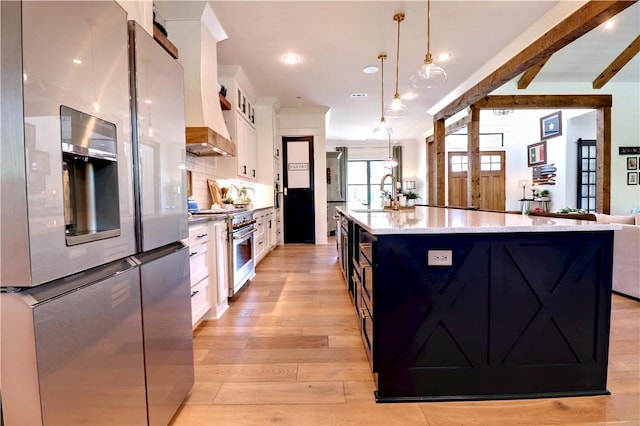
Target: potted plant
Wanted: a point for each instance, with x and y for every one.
(411, 198)
(243, 192)
(227, 202)
(545, 193)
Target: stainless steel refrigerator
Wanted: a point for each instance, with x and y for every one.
(336, 187)
(158, 129)
(89, 275)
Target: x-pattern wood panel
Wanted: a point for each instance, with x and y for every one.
(553, 302)
(442, 304)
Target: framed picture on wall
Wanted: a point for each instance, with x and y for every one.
(537, 154)
(632, 178)
(632, 163)
(551, 125)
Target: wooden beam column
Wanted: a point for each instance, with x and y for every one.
(603, 160)
(431, 171)
(440, 184)
(473, 158)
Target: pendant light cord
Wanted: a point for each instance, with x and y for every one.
(398, 17)
(428, 56)
(382, 57)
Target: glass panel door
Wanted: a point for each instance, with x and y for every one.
(586, 188)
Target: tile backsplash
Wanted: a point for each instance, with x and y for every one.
(202, 168)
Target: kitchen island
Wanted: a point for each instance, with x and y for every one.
(459, 304)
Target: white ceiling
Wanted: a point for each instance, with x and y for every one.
(337, 39)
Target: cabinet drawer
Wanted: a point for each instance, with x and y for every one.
(198, 234)
(199, 300)
(366, 280)
(367, 335)
(198, 263)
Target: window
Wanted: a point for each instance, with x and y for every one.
(363, 181)
(491, 163)
(459, 162)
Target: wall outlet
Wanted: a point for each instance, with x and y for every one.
(439, 257)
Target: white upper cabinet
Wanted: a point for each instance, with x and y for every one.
(240, 121)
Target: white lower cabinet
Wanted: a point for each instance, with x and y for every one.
(272, 229)
(208, 268)
(218, 278)
(199, 269)
(264, 241)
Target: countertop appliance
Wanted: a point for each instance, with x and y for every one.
(94, 278)
(241, 249)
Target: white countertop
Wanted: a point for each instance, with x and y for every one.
(435, 220)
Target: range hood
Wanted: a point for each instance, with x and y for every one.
(206, 131)
(206, 141)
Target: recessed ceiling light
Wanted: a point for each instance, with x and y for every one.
(291, 58)
(77, 61)
(609, 24)
(371, 69)
(409, 95)
(444, 56)
(359, 95)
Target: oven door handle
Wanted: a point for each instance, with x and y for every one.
(239, 237)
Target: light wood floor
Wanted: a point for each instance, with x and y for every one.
(288, 352)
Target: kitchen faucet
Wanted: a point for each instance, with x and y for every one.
(394, 182)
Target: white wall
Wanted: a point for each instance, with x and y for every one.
(140, 11)
(311, 121)
(625, 130)
(522, 128)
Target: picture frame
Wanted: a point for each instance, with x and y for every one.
(537, 154)
(632, 163)
(551, 125)
(632, 178)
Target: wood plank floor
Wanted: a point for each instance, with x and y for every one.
(288, 352)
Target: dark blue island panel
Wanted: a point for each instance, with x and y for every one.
(516, 315)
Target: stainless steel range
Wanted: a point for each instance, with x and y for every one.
(241, 228)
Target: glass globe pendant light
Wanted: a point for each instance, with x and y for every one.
(382, 128)
(397, 108)
(429, 74)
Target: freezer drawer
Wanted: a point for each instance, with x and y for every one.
(75, 352)
(168, 339)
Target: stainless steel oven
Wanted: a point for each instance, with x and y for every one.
(241, 228)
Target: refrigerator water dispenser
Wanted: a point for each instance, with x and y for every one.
(90, 177)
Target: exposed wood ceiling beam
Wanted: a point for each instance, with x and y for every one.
(531, 73)
(617, 64)
(454, 127)
(571, 28)
(544, 101)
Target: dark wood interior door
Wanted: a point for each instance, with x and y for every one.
(299, 214)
